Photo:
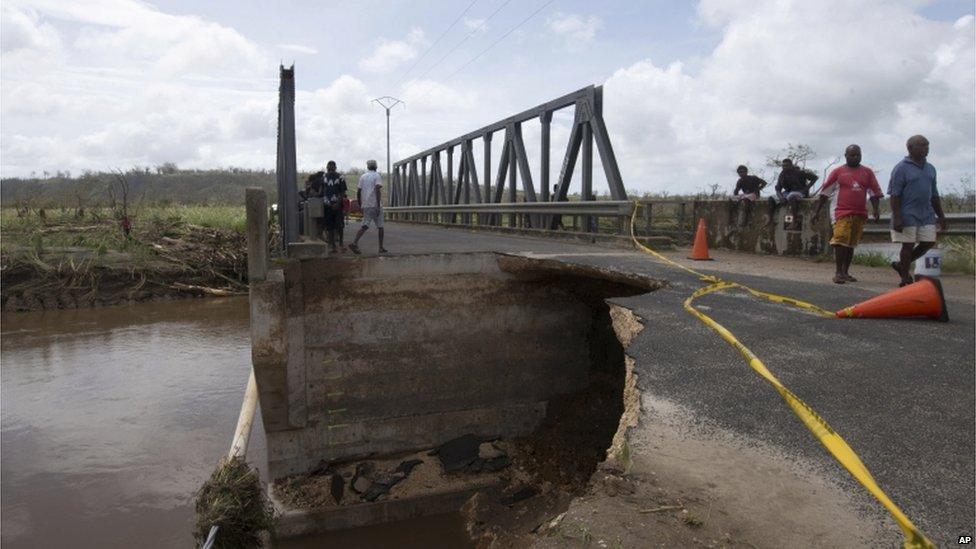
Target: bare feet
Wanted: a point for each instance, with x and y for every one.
(839, 279)
(354, 248)
(849, 278)
(383, 251)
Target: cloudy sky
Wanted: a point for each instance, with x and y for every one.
(691, 89)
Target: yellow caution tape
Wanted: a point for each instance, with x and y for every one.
(834, 443)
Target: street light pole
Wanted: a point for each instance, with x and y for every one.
(388, 103)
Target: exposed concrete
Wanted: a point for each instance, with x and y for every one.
(357, 356)
(308, 249)
(755, 236)
(294, 522)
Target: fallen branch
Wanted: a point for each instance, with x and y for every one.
(209, 291)
(662, 509)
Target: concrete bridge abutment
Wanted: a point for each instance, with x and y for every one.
(357, 357)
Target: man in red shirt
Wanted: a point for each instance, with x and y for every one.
(846, 188)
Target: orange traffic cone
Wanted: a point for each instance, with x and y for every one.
(924, 297)
(700, 251)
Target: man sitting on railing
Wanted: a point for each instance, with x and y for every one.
(792, 187)
(750, 186)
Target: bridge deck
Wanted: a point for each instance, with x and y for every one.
(900, 392)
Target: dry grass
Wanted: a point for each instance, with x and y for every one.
(960, 254)
(233, 500)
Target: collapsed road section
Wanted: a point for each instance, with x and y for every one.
(367, 369)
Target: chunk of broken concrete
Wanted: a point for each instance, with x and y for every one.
(488, 450)
(521, 494)
(406, 467)
(383, 485)
(337, 487)
(360, 481)
(497, 464)
(458, 453)
(323, 468)
(361, 484)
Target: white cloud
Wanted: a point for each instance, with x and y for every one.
(125, 33)
(874, 79)
(476, 24)
(298, 48)
(21, 30)
(576, 29)
(133, 86)
(345, 94)
(432, 96)
(175, 46)
(390, 54)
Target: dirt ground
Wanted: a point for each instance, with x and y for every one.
(668, 496)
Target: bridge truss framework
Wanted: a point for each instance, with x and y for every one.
(413, 184)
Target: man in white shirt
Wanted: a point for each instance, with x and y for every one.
(368, 193)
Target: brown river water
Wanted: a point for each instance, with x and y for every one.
(110, 419)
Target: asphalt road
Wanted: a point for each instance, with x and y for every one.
(901, 392)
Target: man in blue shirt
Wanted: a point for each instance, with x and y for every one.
(915, 205)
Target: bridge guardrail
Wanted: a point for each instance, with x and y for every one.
(584, 214)
(669, 216)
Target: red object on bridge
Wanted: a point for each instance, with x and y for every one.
(700, 251)
(351, 206)
(922, 298)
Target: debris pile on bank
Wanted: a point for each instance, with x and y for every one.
(164, 259)
(234, 501)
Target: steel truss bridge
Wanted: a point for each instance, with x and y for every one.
(421, 187)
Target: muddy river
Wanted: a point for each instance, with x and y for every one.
(110, 419)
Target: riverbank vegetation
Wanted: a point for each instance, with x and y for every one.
(65, 260)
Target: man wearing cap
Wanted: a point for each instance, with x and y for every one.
(371, 201)
(915, 206)
(847, 187)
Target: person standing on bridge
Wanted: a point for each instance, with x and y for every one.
(915, 205)
(370, 200)
(847, 187)
(334, 190)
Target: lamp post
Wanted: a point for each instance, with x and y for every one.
(388, 103)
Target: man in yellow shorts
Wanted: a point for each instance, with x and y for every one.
(847, 188)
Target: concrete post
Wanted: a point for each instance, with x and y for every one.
(286, 167)
(256, 206)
